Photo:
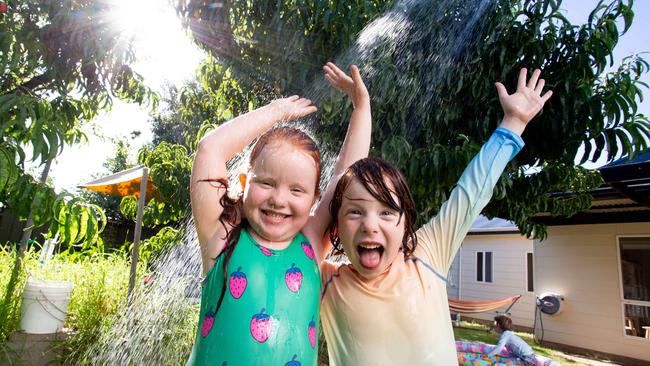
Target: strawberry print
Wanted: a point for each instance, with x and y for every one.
(311, 332)
(293, 362)
(293, 278)
(266, 251)
(309, 251)
(208, 321)
(237, 283)
(148, 280)
(261, 326)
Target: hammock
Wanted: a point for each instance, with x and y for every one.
(475, 307)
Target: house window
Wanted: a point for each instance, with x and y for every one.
(634, 254)
(529, 272)
(484, 267)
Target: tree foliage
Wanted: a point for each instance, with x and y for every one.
(61, 62)
(430, 67)
(276, 46)
(166, 125)
(118, 162)
(170, 166)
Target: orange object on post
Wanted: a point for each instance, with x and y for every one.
(121, 184)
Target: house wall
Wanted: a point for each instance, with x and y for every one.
(509, 275)
(580, 262)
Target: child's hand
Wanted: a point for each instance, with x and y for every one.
(292, 107)
(520, 107)
(353, 86)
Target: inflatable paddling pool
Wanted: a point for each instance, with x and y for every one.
(475, 354)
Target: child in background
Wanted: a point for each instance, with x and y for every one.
(388, 306)
(261, 287)
(516, 346)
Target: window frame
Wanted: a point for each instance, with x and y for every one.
(483, 273)
(624, 301)
(530, 280)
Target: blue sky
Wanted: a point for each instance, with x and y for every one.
(167, 54)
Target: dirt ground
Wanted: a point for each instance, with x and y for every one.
(580, 360)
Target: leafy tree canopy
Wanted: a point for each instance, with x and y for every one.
(61, 62)
(430, 67)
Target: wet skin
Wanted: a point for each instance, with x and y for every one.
(279, 193)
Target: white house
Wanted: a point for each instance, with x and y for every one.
(494, 262)
(599, 262)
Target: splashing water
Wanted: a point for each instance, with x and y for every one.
(159, 324)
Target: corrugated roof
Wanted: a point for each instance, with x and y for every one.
(624, 197)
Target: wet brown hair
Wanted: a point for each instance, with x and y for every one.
(504, 322)
(377, 176)
(232, 207)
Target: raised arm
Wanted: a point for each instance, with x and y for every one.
(209, 167)
(440, 238)
(355, 147)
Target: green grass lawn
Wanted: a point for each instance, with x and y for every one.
(473, 332)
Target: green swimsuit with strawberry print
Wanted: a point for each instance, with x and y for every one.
(269, 314)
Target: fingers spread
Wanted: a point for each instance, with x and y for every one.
(503, 93)
(356, 76)
(546, 96)
(540, 86)
(521, 82)
(533, 79)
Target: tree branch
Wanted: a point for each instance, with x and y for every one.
(31, 85)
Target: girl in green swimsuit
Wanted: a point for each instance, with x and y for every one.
(260, 295)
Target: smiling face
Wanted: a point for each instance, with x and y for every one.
(370, 231)
(280, 190)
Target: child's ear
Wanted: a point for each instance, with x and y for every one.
(316, 197)
(242, 181)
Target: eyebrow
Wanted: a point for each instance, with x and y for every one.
(356, 199)
(256, 177)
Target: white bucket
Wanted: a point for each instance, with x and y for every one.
(45, 306)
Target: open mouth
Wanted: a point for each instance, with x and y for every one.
(370, 255)
(274, 216)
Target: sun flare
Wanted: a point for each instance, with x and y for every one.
(139, 18)
(163, 48)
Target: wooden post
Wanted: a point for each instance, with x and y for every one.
(138, 230)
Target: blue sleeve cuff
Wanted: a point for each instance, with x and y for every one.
(510, 136)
